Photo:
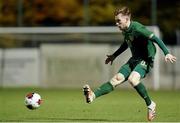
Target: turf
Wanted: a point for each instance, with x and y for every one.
(68, 105)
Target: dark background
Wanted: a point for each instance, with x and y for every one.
(37, 13)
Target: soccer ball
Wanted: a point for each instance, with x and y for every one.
(33, 101)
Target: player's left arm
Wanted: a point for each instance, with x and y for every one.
(168, 56)
(150, 36)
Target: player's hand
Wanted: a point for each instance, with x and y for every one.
(170, 58)
(110, 58)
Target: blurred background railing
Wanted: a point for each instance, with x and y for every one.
(40, 13)
(69, 57)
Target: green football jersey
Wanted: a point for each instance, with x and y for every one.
(139, 40)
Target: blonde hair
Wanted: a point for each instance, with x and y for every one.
(123, 10)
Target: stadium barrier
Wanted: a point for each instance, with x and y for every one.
(19, 67)
(55, 69)
(72, 66)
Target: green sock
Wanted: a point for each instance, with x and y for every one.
(104, 89)
(140, 88)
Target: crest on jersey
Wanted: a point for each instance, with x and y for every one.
(131, 38)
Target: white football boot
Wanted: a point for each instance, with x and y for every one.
(88, 93)
(151, 114)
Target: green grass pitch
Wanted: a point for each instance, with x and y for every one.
(68, 105)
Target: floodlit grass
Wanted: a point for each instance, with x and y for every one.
(68, 105)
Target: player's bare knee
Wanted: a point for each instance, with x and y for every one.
(134, 78)
(117, 79)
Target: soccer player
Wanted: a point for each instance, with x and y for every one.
(141, 43)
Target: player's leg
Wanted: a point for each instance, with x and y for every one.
(103, 89)
(134, 80)
(139, 72)
(109, 86)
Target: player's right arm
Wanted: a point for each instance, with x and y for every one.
(122, 48)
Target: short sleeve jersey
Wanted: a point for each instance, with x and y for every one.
(137, 37)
